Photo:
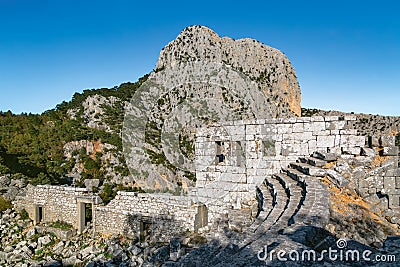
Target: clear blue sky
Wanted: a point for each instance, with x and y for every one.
(346, 53)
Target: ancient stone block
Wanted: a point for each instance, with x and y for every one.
(389, 182)
(374, 141)
(350, 117)
(312, 146)
(255, 179)
(387, 141)
(238, 130)
(201, 218)
(369, 152)
(298, 127)
(335, 132)
(394, 201)
(348, 132)
(391, 151)
(336, 178)
(325, 141)
(355, 140)
(331, 118)
(335, 125)
(317, 118)
(269, 147)
(335, 150)
(253, 129)
(393, 172)
(284, 128)
(317, 126)
(351, 150)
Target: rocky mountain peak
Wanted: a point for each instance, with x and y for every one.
(269, 67)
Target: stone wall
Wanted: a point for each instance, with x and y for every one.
(256, 149)
(58, 203)
(163, 213)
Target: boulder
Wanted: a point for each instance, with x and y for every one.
(337, 179)
(44, 240)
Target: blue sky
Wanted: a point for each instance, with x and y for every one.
(346, 53)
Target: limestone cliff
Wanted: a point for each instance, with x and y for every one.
(269, 67)
(201, 78)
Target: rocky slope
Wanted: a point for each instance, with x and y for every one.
(201, 78)
(23, 244)
(366, 124)
(269, 67)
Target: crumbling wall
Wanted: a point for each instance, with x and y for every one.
(127, 213)
(164, 213)
(255, 149)
(383, 175)
(58, 203)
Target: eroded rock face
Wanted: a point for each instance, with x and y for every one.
(93, 111)
(267, 66)
(200, 79)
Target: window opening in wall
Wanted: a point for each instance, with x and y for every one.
(240, 154)
(269, 148)
(220, 157)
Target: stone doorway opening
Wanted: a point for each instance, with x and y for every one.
(88, 213)
(145, 230)
(39, 215)
(201, 218)
(85, 215)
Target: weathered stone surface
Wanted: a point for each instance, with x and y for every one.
(268, 66)
(5, 181)
(369, 152)
(336, 178)
(391, 151)
(44, 240)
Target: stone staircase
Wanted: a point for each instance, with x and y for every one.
(295, 197)
(287, 201)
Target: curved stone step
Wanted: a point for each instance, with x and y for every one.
(275, 190)
(281, 202)
(314, 161)
(281, 197)
(315, 207)
(295, 201)
(266, 193)
(308, 169)
(325, 156)
(318, 214)
(289, 199)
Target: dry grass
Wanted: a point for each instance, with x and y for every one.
(349, 204)
(329, 165)
(378, 160)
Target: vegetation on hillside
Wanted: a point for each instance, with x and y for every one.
(31, 145)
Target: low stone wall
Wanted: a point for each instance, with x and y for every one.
(128, 213)
(58, 203)
(163, 213)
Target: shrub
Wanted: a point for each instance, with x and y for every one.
(4, 204)
(61, 225)
(24, 214)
